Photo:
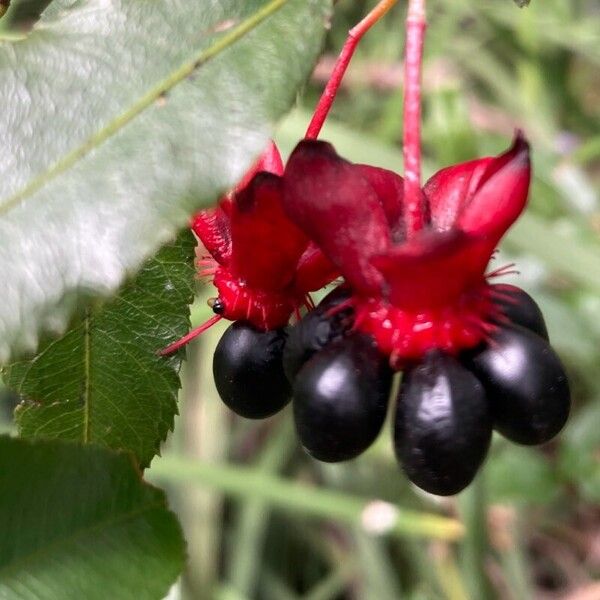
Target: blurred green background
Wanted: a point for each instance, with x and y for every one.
(532, 517)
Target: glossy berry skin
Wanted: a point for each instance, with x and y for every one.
(248, 371)
(520, 308)
(315, 330)
(443, 425)
(525, 383)
(340, 399)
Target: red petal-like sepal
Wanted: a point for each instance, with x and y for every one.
(483, 196)
(266, 244)
(339, 210)
(501, 195)
(451, 188)
(212, 227)
(269, 161)
(389, 187)
(314, 270)
(433, 269)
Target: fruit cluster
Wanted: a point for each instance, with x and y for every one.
(446, 406)
(416, 298)
(475, 355)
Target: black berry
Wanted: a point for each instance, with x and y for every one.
(248, 371)
(315, 330)
(520, 308)
(443, 425)
(525, 383)
(340, 398)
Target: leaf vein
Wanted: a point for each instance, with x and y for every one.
(144, 102)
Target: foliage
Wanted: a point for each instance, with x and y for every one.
(103, 382)
(78, 522)
(490, 67)
(119, 120)
(115, 167)
(262, 519)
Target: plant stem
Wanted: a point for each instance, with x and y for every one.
(300, 498)
(203, 426)
(448, 575)
(354, 37)
(514, 562)
(378, 576)
(334, 584)
(475, 545)
(188, 337)
(251, 522)
(413, 66)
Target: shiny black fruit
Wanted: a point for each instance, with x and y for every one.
(340, 398)
(520, 308)
(248, 371)
(525, 383)
(443, 425)
(315, 330)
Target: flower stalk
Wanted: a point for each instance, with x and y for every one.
(413, 66)
(330, 91)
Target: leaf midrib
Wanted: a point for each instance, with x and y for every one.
(145, 101)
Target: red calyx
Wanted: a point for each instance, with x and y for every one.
(262, 264)
(429, 291)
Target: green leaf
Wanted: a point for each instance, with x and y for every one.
(78, 522)
(119, 119)
(103, 382)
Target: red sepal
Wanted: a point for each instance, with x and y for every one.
(501, 195)
(269, 161)
(483, 196)
(339, 210)
(451, 188)
(433, 269)
(430, 290)
(212, 228)
(266, 245)
(314, 270)
(389, 187)
(438, 265)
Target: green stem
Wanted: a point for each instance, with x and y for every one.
(379, 576)
(475, 546)
(514, 563)
(204, 425)
(253, 517)
(333, 585)
(447, 573)
(274, 588)
(299, 498)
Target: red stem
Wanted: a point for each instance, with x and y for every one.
(189, 336)
(330, 91)
(415, 36)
